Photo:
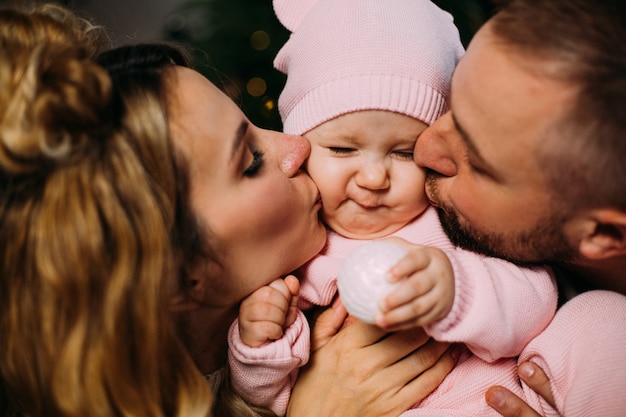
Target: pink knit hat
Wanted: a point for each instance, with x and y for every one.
(349, 55)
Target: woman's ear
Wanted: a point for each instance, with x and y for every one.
(604, 234)
(190, 296)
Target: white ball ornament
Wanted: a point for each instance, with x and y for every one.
(361, 279)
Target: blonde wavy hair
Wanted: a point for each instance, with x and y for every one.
(88, 204)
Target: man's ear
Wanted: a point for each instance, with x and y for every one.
(604, 234)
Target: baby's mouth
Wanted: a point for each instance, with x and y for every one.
(368, 205)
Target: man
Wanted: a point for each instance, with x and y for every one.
(530, 162)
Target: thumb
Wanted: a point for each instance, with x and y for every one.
(328, 324)
(293, 285)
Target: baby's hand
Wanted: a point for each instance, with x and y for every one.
(424, 296)
(265, 313)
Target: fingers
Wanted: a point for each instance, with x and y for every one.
(537, 380)
(327, 324)
(258, 333)
(379, 379)
(268, 311)
(508, 404)
(361, 334)
(410, 289)
(443, 358)
(408, 316)
(267, 303)
(397, 346)
(286, 287)
(408, 307)
(293, 285)
(403, 370)
(425, 296)
(415, 260)
(260, 322)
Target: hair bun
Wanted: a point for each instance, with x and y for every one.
(54, 101)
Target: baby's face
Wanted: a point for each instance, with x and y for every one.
(363, 164)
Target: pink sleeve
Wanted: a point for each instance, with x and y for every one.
(318, 278)
(582, 352)
(498, 306)
(265, 375)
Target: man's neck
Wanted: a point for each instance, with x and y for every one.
(608, 274)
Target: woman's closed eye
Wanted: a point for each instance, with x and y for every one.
(255, 166)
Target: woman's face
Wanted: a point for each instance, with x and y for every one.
(246, 188)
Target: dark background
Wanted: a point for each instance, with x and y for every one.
(233, 41)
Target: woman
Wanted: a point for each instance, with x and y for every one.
(243, 200)
(138, 207)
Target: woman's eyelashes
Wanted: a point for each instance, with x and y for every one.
(257, 163)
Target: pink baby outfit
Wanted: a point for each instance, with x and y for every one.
(500, 311)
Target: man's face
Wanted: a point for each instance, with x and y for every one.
(485, 175)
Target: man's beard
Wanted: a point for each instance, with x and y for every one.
(544, 242)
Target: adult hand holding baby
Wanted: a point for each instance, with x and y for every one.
(383, 366)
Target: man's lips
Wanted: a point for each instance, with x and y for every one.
(431, 196)
(431, 200)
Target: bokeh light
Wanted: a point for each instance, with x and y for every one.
(260, 40)
(256, 86)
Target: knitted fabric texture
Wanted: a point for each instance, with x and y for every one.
(350, 55)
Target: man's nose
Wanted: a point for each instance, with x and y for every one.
(432, 150)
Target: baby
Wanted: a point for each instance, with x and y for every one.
(365, 78)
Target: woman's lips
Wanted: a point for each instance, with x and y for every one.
(318, 202)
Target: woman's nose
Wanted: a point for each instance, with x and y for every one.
(292, 151)
(373, 175)
(432, 149)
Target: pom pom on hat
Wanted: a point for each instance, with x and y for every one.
(350, 55)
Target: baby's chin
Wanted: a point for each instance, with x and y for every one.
(364, 231)
(355, 222)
